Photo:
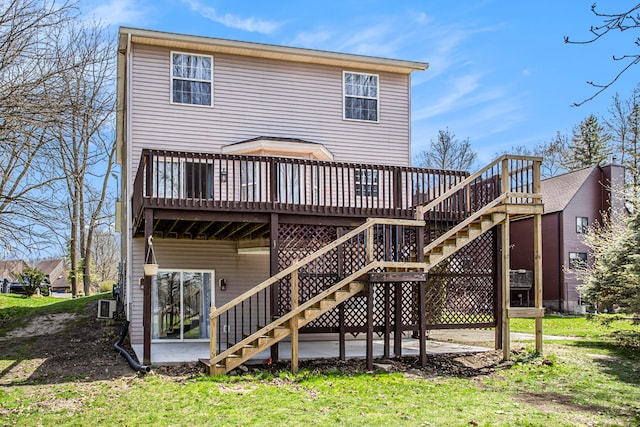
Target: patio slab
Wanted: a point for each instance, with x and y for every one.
(179, 352)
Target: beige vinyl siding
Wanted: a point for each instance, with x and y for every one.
(260, 97)
(241, 271)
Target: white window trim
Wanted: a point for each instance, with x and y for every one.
(195, 80)
(344, 95)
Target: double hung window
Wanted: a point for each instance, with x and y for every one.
(361, 97)
(191, 79)
(366, 183)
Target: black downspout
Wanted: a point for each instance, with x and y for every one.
(135, 365)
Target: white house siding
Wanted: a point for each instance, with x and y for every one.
(241, 271)
(261, 97)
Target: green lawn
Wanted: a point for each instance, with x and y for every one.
(571, 326)
(591, 380)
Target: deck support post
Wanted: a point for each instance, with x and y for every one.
(537, 256)
(497, 280)
(342, 344)
(146, 292)
(370, 290)
(506, 297)
(294, 321)
(273, 270)
(397, 322)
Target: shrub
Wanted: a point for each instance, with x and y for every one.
(106, 286)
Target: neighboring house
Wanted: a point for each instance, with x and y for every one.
(9, 272)
(56, 273)
(247, 162)
(572, 203)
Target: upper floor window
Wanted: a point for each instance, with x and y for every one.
(582, 224)
(191, 79)
(360, 96)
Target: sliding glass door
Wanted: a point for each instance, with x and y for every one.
(181, 300)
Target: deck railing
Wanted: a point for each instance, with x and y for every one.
(182, 180)
(508, 180)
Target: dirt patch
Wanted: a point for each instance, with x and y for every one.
(62, 347)
(48, 324)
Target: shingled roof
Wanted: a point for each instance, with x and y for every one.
(558, 191)
(7, 268)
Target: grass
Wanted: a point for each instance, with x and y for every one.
(589, 380)
(571, 326)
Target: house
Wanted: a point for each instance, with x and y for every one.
(272, 188)
(56, 274)
(9, 272)
(573, 202)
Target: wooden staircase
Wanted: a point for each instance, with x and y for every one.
(456, 239)
(495, 211)
(281, 328)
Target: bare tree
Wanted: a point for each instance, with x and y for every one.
(612, 22)
(28, 110)
(447, 152)
(624, 125)
(84, 137)
(553, 153)
(106, 254)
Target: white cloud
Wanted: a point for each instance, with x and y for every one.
(251, 24)
(453, 99)
(118, 12)
(312, 39)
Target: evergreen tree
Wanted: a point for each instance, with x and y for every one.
(589, 145)
(632, 160)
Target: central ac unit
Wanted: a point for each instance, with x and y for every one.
(106, 308)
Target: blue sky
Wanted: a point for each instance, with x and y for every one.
(500, 73)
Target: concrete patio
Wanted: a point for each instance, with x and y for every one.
(168, 353)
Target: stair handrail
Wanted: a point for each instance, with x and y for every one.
(317, 254)
(422, 209)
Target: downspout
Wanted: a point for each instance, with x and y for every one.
(132, 362)
(561, 262)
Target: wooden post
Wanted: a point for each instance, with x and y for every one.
(537, 275)
(369, 245)
(370, 290)
(537, 255)
(397, 333)
(504, 177)
(422, 318)
(213, 335)
(273, 270)
(146, 292)
(342, 345)
(294, 321)
(497, 280)
(506, 297)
